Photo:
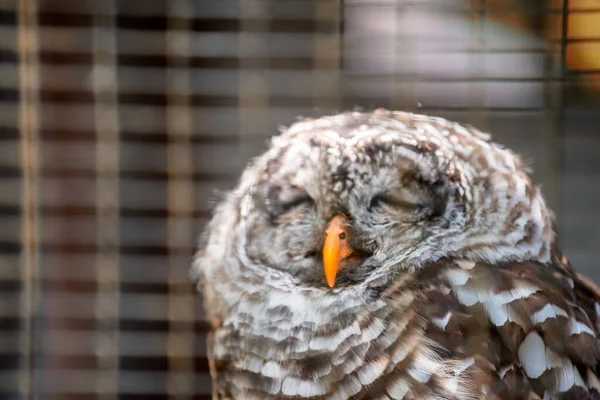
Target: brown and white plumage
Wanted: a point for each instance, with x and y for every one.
(448, 284)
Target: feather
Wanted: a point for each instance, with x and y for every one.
(532, 354)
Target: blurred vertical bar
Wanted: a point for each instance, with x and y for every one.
(477, 108)
(28, 36)
(556, 202)
(552, 135)
(403, 96)
(253, 86)
(328, 57)
(180, 200)
(106, 113)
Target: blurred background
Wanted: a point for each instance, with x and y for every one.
(120, 118)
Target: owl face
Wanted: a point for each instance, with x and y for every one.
(351, 199)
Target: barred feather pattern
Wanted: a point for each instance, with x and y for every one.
(518, 331)
(476, 303)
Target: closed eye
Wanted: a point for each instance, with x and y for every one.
(393, 202)
(295, 203)
(283, 208)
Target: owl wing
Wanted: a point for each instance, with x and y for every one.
(219, 367)
(532, 329)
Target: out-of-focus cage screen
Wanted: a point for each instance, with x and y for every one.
(119, 120)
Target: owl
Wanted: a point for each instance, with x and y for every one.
(389, 255)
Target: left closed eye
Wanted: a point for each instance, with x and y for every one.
(295, 203)
(393, 202)
(283, 208)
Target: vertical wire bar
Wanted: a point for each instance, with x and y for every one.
(106, 114)
(327, 55)
(553, 136)
(554, 124)
(180, 201)
(564, 38)
(253, 88)
(398, 43)
(341, 29)
(29, 85)
(561, 125)
(404, 89)
(478, 80)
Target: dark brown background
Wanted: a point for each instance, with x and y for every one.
(119, 119)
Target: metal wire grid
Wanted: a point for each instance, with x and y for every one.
(119, 118)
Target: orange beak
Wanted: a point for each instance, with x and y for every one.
(336, 249)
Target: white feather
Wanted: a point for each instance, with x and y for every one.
(402, 350)
(469, 295)
(373, 330)
(578, 379)
(351, 363)
(273, 369)
(465, 264)
(532, 355)
(466, 295)
(452, 385)
(442, 322)
(576, 327)
(332, 342)
(373, 370)
(552, 359)
(520, 291)
(250, 363)
(566, 377)
(548, 311)
(500, 314)
(348, 388)
(397, 389)
(302, 387)
(457, 277)
(423, 367)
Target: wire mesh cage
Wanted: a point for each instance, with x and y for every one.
(119, 120)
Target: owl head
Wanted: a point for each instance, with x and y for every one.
(350, 200)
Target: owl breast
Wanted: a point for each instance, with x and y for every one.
(378, 348)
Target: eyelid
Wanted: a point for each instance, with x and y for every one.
(295, 202)
(284, 207)
(385, 198)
